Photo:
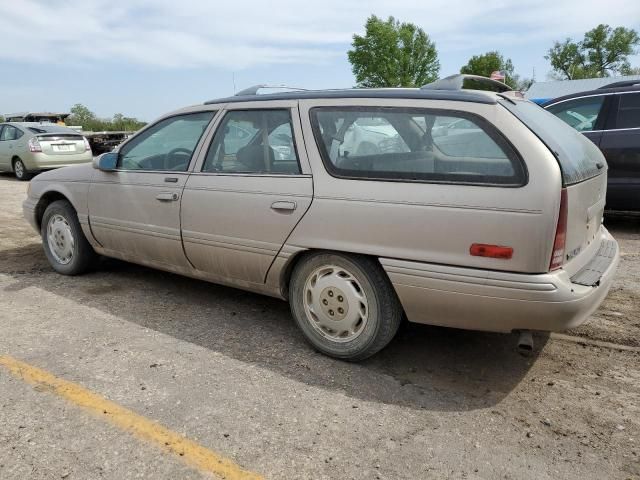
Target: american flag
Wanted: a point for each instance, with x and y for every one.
(497, 75)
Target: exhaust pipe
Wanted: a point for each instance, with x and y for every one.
(525, 342)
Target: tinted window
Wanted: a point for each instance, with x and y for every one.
(577, 155)
(581, 113)
(629, 111)
(253, 141)
(414, 144)
(167, 145)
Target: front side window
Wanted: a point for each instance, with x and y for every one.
(166, 146)
(629, 111)
(581, 113)
(414, 145)
(254, 141)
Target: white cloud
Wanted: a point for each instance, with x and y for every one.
(236, 35)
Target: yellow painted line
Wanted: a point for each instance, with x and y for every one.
(186, 450)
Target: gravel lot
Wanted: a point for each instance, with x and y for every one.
(229, 370)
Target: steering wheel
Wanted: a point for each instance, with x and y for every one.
(168, 159)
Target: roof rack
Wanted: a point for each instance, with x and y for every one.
(254, 89)
(456, 82)
(623, 83)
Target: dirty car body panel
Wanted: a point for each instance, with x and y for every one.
(482, 228)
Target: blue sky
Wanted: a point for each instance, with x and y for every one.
(145, 57)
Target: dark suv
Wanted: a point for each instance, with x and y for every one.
(610, 118)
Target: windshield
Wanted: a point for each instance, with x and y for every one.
(579, 158)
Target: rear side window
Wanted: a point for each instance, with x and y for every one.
(628, 111)
(254, 141)
(9, 133)
(578, 157)
(408, 144)
(581, 113)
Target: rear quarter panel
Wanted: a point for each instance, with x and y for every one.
(430, 222)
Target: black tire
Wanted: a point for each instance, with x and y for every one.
(83, 257)
(384, 312)
(20, 171)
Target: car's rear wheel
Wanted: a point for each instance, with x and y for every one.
(65, 245)
(345, 305)
(20, 171)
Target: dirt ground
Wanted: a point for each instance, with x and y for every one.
(229, 370)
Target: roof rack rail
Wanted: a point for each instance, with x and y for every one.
(623, 83)
(456, 82)
(254, 89)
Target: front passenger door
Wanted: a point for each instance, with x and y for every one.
(134, 211)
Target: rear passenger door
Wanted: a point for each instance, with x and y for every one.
(247, 193)
(620, 144)
(4, 152)
(8, 136)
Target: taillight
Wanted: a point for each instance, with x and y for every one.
(557, 256)
(34, 145)
(87, 147)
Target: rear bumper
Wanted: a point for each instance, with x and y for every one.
(497, 301)
(43, 161)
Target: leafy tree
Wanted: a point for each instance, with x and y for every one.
(82, 116)
(629, 70)
(1, 119)
(393, 54)
(490, 62)
(603, 51)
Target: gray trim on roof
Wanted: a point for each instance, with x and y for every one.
(473, 96)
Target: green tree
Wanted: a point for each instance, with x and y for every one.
(489, 62)
(1, 119)
(82, 116)
(393, 54)
(630, 70)
(603, 52)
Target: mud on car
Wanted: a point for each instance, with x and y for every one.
(468, 209)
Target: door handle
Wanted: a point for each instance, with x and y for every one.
(284, 206)
(167, 197)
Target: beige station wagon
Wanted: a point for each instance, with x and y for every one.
(468, 209)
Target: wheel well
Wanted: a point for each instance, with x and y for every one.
(285, 276)
(46, 200)
(13, 160)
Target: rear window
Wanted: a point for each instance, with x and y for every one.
(410, 144)
(577, 155)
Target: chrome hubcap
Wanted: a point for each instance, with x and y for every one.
(60, 239)
(335, 303)
(19, 169)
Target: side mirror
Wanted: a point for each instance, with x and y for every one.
(107, 162)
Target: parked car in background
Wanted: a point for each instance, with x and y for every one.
(496, 226)
(610, 118)
(27, 148)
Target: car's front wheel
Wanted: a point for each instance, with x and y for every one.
(345, 305)
(20, 171)
(65, 245)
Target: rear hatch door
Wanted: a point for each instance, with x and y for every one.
(61, 144)
(584, 175)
